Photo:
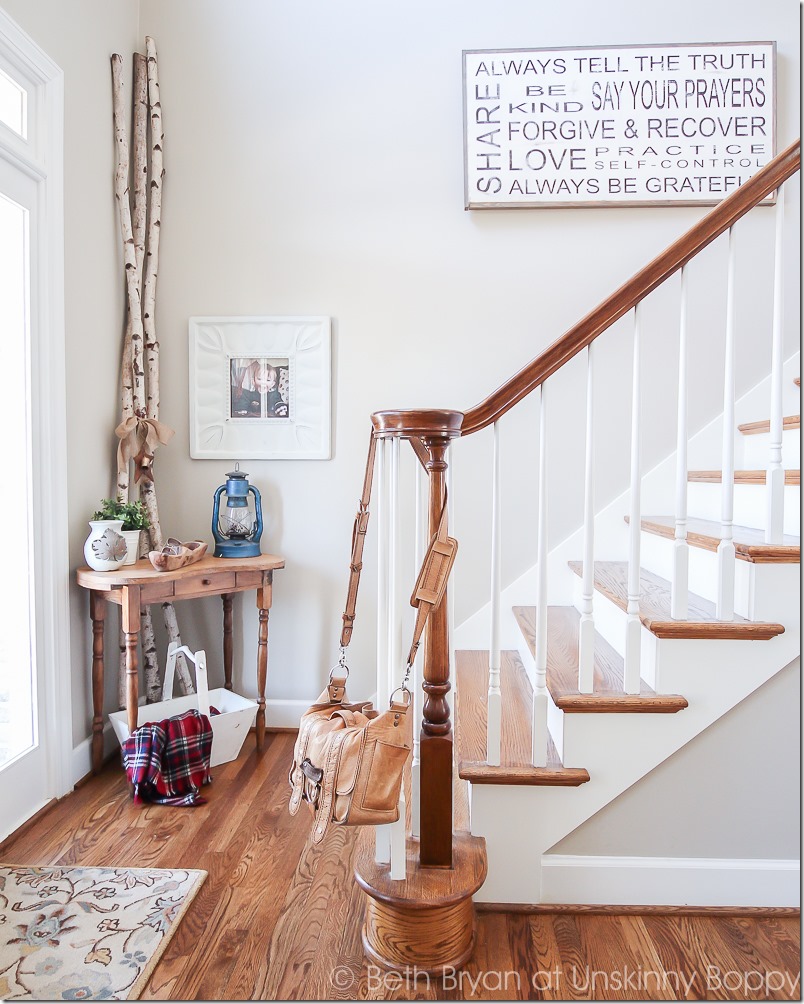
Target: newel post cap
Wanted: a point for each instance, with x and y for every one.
(418, 423)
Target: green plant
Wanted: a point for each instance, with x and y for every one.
(133, 514)
(109, 509)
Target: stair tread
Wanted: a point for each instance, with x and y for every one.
(754, 428)
(611, 579)
(749, 542)
(563, 633)
(742, 477)
(516, 768)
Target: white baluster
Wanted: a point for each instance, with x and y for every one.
(679, 592)
(539, 722)
(395, 658)
(774, 478)
(382, 834)
(394, 651)
(453, 676)
(633, 626)
(453, 673)
(725, 551)
(586, 643)
(420, 547)
(398, 843)
(494, 720)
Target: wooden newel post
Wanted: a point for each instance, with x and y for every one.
(427, 920)
(435, 750)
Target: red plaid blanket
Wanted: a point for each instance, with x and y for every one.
(168, 761)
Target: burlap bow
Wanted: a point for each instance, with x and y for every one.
(139, 438)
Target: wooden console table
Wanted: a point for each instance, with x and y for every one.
(132, 587)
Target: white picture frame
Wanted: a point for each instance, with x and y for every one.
(260, 388)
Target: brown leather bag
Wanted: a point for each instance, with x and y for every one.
(349, 760)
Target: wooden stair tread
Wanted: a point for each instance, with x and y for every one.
(749, 543)
(754, 428)
(611, 579)
(742, 477)
(562, 669)
(472, 671)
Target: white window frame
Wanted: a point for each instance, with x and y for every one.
(40, 155)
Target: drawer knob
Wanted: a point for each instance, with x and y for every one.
(206, 582)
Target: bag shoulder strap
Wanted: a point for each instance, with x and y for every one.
(358, 540)
(433, 576)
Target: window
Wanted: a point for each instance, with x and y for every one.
(17, 677)
(13, 105)
(35, 701)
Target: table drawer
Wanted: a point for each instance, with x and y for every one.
(156, 592)
(214, 582)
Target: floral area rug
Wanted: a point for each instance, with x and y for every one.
(87, 933)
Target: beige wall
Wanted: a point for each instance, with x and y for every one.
(80, 36)
(314, 158)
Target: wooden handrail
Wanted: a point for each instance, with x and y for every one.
(417, 424)
(723, 216)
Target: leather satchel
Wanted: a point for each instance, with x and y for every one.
(349, 760)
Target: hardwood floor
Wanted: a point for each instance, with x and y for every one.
(280, 919)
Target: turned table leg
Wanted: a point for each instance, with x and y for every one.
(131, 630)
(263, 606)
(228, 599)
(97, 611)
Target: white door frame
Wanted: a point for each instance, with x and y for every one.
(40, 156)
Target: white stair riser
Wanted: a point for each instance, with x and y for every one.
(555, 717)
(756, 450)
(657, 556)
(763, 591)
(703, 500)
(610, 622)
(775, 595)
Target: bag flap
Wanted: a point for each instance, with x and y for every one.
(350, 756)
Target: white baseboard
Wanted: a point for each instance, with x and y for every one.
(81, 763)
(284, 714)
(571, 878)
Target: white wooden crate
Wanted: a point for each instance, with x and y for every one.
(229, 728)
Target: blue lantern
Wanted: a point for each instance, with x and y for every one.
(237, 527)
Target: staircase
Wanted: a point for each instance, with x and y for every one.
(522, 810)
(564, 703)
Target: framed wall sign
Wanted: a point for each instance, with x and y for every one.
(633, 125)
(260, 388)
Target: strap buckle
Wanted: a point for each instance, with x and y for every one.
(404, 691)
(341, 664)
(313, 776)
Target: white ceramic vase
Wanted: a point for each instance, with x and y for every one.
(133, 544)
(105, 548)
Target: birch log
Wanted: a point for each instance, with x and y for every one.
(154, 227)
(140, 159)
(127, 234)
(150, 656)
(140, 117)
(151, 269)
(133, 286)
